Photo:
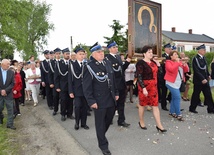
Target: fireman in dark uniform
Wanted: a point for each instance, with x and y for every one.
(75, 75)
(61, 85)
(201, 77)
(101, 94)
(45, 81)
(52, 68)
(119, 68)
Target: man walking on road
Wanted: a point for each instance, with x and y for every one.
(119, 68)
(100, 92)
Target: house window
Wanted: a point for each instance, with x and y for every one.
(180, 48)
(211, 49)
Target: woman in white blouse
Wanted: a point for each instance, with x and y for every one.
(129, 76)
(33, 75)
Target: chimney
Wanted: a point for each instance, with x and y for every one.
(190, 31)
(173, 29)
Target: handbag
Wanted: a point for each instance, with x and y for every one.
(183, 85)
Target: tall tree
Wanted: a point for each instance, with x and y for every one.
(118, 36)
(24, 26)
(38, 28)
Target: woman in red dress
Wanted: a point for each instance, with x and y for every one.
(16, 91)
(146, 70)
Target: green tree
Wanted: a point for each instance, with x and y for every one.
(38, 29)
(118, 36)
(85, 47)
(24, 26)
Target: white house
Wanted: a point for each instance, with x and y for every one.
(187, 41)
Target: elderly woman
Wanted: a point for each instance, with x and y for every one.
(175, 70)
(33, 75)
(146, 72)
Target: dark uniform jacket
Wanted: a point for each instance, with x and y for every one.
(44, 71)
(102, 93)
(212, 70)
(75, 84)
(61, 75)
(51, 71)
(119, 76)
(200, 70)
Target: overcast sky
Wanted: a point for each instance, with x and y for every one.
(88, 20)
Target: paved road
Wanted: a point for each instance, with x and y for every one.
(194, 136)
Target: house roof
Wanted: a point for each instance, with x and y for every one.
(178, 36)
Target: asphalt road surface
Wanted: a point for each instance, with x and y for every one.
(194, 136)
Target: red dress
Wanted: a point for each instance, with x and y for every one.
(151, 86)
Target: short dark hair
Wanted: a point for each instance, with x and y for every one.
(31, 56)
(145, 49)
(171, 53)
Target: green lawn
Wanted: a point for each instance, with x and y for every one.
(8, 145)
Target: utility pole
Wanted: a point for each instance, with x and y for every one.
(71, 44)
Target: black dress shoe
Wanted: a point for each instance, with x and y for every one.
(54, 113)
(86, 127)
(165, 109)
(63, 118)
(71, 117)
(11, 127)
(200, 105)
(106, 152)
(193, 111)
(210, 112)
(76, 127)
(124, 124)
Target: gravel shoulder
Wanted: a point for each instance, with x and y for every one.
(39, 134)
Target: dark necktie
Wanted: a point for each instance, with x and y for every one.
(80, 64)
(66, 62)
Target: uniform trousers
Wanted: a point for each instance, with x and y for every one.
(205, 88)
(66, 104)
(121, 106)
(56, 100)
(81, 107)
(49, 95)
(163, 95)
(103, 119)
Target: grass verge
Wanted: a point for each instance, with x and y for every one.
(8, 141)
